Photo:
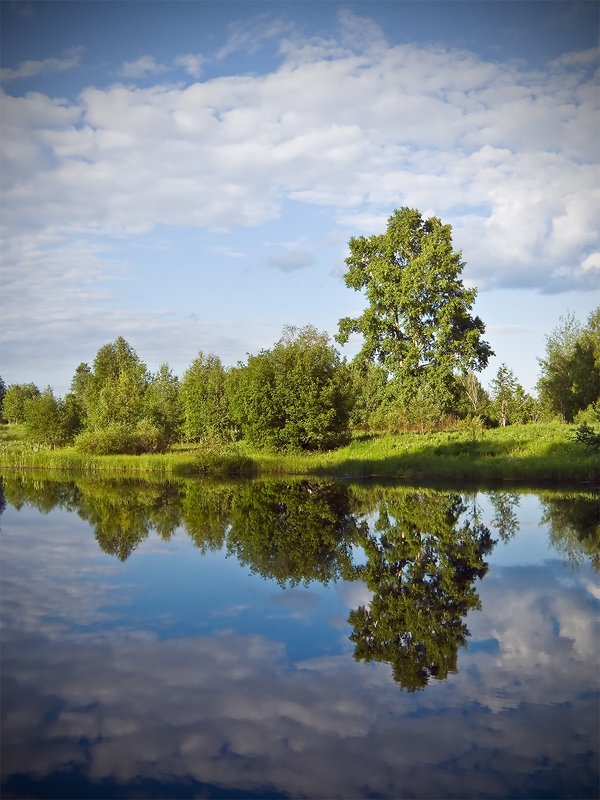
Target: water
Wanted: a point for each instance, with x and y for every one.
(297, 639)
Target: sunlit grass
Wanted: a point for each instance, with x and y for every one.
(525, 453)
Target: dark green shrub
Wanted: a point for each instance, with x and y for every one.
(587, 436)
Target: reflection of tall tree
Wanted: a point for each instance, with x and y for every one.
(294, 532)
(573, 522)
(505, 519)
(422, 561)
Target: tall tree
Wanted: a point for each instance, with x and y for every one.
(417, 323)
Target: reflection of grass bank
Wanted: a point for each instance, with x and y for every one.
(525, 453)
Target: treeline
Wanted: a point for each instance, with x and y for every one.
(422, 350)
(299, 394)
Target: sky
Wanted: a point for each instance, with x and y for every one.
(187, 175)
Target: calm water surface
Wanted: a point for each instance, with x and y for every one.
(297, 639)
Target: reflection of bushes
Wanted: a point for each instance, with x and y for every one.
(205, 512)
(294, 532)
(573, 522)
(122, 512)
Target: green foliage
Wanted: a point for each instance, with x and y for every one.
(509, 402)
(2, 393)
(587, 436)
(570, 379)
(15, 400)
(417, 324)
(50, 420)
(297, 395)
(114, 390)
(369, 385)
(422, 561)
(162, 405)
(121, 437)
(589, 415)
(204, 402)
(293, 532)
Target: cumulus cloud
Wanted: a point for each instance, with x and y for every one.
(352, 125)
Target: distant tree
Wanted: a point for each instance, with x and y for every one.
(417, 323)
(162, 405)
(204, 402)
(2, 393)
(15, 399)
(509, 401)
(473, 398)
(115, 389)
(113, 394)
(50, 420)
(570, 372)
(297, 395)
(79, 387)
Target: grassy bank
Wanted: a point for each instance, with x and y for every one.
(540, 454)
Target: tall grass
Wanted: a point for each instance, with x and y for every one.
(541, 454)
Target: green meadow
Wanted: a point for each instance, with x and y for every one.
(543, 454)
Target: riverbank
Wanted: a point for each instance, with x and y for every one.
(540, 454)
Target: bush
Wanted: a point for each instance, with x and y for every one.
(296, 396)
(587, 436)
(589, 415)
(119, 438)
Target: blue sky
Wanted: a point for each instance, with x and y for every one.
(188, 174)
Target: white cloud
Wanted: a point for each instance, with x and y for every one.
(350, 124)
(142, 67)
(29, 68)
(191, 63)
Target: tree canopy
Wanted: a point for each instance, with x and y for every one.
(297, 395)
(417, 323)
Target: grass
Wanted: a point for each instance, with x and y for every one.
(527, 454)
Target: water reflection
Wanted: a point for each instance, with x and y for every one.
(101, 699)
(422, 563)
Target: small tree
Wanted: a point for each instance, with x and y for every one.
(297, 395)
(204, 401)
(50, 420)
(510, 403)
(16, 398)
(2, 393)
(570, 379)
(162, 405)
